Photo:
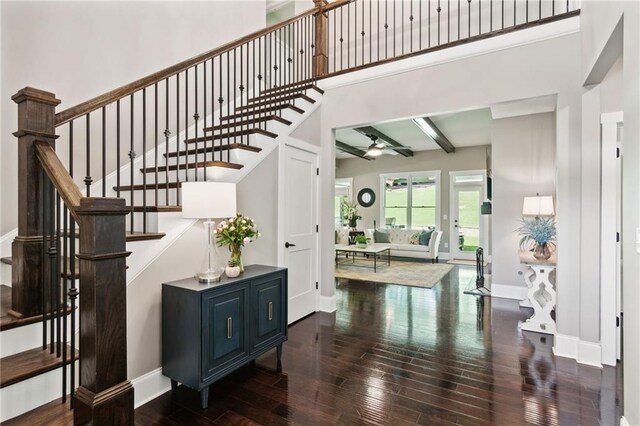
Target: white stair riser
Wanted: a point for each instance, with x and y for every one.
(32, 393)
(27, 337)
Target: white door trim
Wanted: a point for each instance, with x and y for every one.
(304, 146)
(453, 239)
(609, 225)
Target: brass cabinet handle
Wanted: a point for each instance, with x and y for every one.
(270, 311)
(229, 328)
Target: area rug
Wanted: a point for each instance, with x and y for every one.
(464, 262)
(413, 274)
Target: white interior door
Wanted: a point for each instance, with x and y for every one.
(300, 229)
(611, 238)
(467, 224)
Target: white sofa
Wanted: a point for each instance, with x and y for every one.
(402, 242)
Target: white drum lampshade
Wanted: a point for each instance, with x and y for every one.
(538, 206)
(209, 200)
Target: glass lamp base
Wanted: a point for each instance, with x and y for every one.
(208, 277)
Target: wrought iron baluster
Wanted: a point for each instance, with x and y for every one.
(104, 151)
(117, 149)
(144, 160)
(88, 180)
(132, 157)
(155, 143)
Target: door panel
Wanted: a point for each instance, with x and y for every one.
(224, 330)
(466, 232)
(300, 220)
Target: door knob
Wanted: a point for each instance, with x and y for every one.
(287, 244)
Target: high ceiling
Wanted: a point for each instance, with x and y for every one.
(462, 129)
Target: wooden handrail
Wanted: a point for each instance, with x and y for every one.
(61, 179)
(105, 99)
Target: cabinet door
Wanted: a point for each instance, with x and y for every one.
(268, 309)
(223, 330)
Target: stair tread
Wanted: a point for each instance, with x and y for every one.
(257, 111)
(301, 85)
(275, 98)
(156, 209)
(240, 146)
(200, 164)
(27, 364)
(148, 186)
(7, 322)
(54, 413)
(247, 122)
(233, 132)
(288, 94)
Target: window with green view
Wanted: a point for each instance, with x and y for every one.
(410, 201)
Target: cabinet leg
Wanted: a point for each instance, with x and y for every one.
(279, 356)
(174, 386)
(204, 398)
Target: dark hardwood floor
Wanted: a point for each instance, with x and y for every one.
(401, 355)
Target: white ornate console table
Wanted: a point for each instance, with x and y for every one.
(542, 293)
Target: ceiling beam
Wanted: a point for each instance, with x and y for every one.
(341, 146)
(430, 129)
(369, 130)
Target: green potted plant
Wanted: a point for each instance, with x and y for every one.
(233, 268)
(361, 241)
(350, 211)
(539, 232)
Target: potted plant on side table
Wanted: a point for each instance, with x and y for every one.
(542, 233)
(350, 211)
(235, 233)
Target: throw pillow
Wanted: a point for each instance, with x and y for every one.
(381, 237)
(414, 238)
(425, 237)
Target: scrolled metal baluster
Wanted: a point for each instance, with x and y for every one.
(87, 179)
(132, 157)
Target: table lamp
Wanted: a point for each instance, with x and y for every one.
(538, 206)
(209, 200)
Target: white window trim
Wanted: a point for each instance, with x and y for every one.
(434, 173)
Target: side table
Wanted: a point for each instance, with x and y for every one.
(541, 294)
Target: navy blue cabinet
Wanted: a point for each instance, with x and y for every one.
(209, 331)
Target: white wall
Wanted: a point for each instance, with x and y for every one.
(366, 174)
(523, 164)
(79, 50)
(598, 22)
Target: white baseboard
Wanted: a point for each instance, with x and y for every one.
(149, 386)
(590, 353)
(504, 291)
(327, 304)
(624, 422)
(566, 346)
(587, 353)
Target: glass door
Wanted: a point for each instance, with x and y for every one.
(466, 222)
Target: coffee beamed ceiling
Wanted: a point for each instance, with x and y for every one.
(459, 129)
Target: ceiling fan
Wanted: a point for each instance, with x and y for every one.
(377, 147)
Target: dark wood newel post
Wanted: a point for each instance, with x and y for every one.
(105, 396)
(320, 58)
(36, 121)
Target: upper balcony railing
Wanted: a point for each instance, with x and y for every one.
(363, 33)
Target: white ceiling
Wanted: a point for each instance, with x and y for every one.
(466, 128)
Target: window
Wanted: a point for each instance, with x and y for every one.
(342, 192)
(411, 200)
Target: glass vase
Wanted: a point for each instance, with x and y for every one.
(236, 255)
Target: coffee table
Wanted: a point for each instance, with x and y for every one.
(375, 250)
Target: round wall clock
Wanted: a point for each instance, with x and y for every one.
(366, 197)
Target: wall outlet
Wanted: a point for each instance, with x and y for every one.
(446, 245)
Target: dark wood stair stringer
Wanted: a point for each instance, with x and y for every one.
(28, 364)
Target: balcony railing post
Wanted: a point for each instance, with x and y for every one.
(105, 396)
(36, 120)
(320, 58)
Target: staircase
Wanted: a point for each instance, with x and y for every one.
(94, 220)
